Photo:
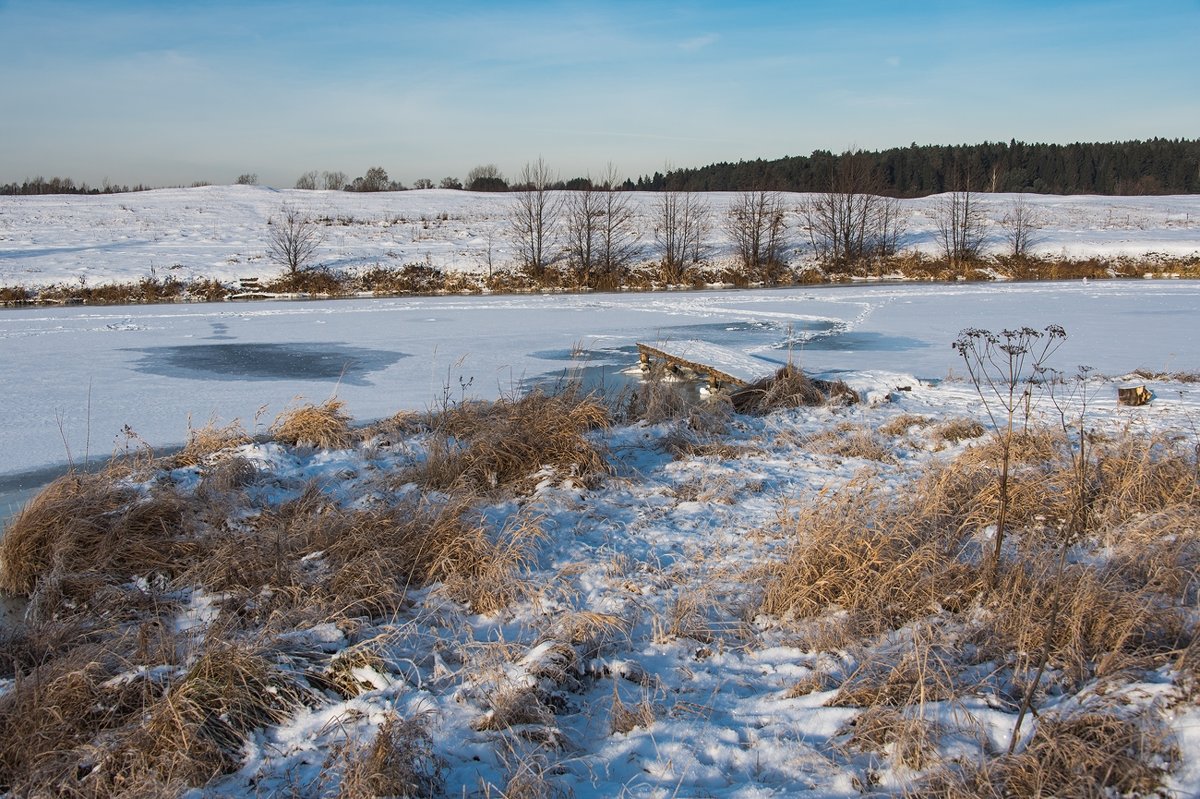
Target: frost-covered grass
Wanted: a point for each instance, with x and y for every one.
(704, 603)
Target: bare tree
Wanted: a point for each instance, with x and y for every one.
(756, 224)
(307, 181)
(423, 183)
(334, 181)
(292, 242)
(683, 219)
(850, 223)
(584, 219)
(534, 219)
(247, 179)
(450, 183)
(1020, 227)
(961, 224)
(618, 245)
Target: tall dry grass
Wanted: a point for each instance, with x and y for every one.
(513, 444)
(325, 426)
(85, 532)
(909, 567)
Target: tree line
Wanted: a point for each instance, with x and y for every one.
(1155, 166)
(40, 185)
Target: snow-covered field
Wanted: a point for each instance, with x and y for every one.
(221, 231)
(661, 563)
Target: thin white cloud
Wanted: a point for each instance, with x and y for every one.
(698, 42)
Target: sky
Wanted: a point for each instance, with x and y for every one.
(170, 93)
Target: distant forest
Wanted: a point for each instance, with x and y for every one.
(1157, 166)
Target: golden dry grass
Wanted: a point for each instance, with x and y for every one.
(324, 426)
(911, 741)
(790, 388)
(855, 550)
(851, 441)
(86, 531)
(1088, 755)
(624, 718)
(399, 762)
(203, 442)
(899, 425)
(514, 444)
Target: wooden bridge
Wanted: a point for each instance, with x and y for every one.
(721, 365)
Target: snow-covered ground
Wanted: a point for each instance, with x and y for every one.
(662, 554)
(221, 231)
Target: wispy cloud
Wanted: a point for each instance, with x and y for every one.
(698, 42)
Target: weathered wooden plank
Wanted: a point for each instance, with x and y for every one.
(721, 365)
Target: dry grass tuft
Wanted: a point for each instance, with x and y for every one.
(203, 442)
(953, 431)
(858, 551)
(1105, 624)
(852, 441)
(514, 444)
(315, 558)
(51, 714)
(1084, 756)
(790, 388)
(624, 719)
(901, 424)
(912, 742)
(660, 397)
(398, 762)
(227, 475)
(324, 426)
(589, 632)
(197, 731)
(85, 532)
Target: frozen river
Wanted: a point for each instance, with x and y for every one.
(73, 378)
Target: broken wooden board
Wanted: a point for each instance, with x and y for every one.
(723, 366)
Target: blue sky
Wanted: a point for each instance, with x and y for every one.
(174, 92)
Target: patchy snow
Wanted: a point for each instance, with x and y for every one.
(666, 547)
(221, 231)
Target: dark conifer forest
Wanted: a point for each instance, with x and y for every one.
(1156, 166)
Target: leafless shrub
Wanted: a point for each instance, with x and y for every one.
(307, 181)
(682, 219)
(851, 225)
(961, 224)
(757, 226)
(1020, 226)
(324, 426)
(292, 242)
